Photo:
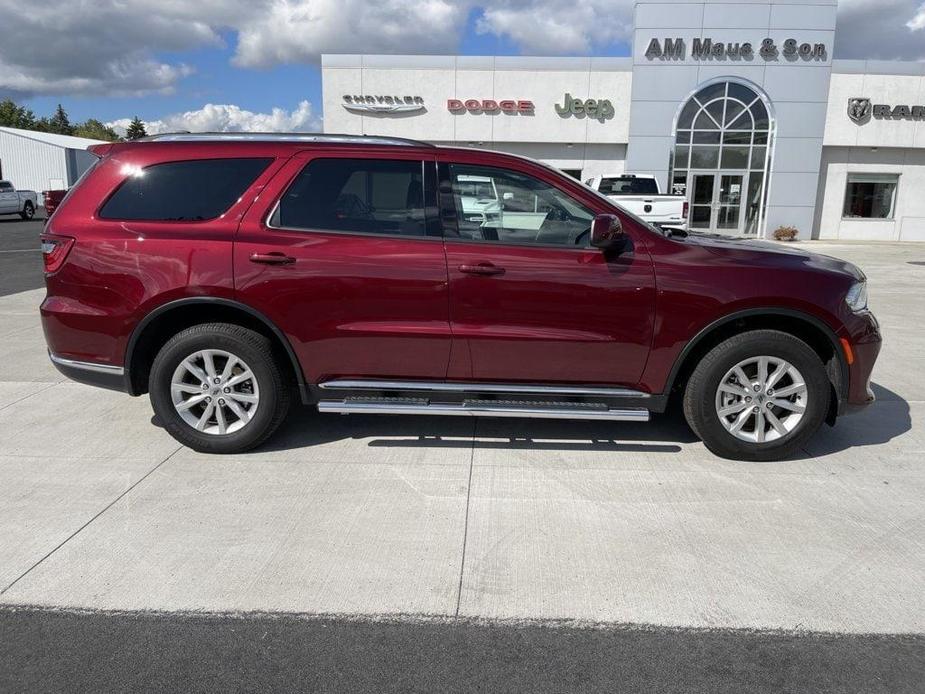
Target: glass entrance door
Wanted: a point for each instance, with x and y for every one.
(716, 202)
(701, 202)
(728, 205)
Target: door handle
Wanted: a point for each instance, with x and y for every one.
(272, 258)
(483, 269)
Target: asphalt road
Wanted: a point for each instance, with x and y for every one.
(20, 256)
(100, 652)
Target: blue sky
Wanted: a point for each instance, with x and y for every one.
(168, 61)
(216, 80)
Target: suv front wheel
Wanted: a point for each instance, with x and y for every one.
(217, 388)
(757, 396)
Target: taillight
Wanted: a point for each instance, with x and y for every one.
(54, 251)
(685, 209)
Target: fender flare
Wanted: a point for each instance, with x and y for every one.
(841, 387)
(211, 301)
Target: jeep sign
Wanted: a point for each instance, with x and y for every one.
(601, 109)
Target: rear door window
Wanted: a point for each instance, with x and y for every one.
(183, 191)
(365, 196)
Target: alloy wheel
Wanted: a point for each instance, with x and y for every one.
(215, 392)
(761, 399)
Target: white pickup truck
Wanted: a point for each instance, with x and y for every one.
(641, 196)
(21, 202)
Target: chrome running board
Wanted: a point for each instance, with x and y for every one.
(483, 408)
(464, 387)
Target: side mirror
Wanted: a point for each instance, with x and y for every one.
(607, 232)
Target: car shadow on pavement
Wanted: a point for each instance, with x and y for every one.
(306, 427)
(887, 419)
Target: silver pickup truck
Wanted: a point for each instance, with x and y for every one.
(21, 202)
(640, 195)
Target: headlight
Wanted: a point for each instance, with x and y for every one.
(857, 296)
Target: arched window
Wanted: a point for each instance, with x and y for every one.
(723, 135)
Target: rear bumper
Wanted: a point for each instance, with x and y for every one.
(90, 373)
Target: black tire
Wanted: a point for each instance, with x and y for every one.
(28, 211)
(700, 394)
(257, 351)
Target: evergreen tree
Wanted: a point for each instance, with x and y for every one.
(60, 123)
(14, 116)
(136, 129)
(95, 130)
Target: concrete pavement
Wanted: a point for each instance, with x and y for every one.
(493, 518)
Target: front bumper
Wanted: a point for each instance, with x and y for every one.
(865, 347)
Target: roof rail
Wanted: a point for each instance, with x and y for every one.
(282, 137)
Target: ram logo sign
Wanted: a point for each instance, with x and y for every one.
(859, 110)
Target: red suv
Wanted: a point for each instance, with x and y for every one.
(224, 273)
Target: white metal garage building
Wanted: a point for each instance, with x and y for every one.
(42, 161)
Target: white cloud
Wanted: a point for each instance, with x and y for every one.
(917, 23)
(103, 47)
(127, 47)
(299, 31)
(230, 118)
(550, 27)
(882, 29)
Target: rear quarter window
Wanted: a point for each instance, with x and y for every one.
(183, 191)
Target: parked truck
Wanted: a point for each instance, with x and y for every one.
(52, 198)
(21, 202)
(642, 196)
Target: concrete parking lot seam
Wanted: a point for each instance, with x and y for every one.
(81, 528)
(462, 563)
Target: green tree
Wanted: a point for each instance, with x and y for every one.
(60, 123)
(15, 116)
(95, 130)
(136, 129)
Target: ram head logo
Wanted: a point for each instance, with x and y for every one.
(859, 110)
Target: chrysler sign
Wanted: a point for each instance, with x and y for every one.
(860, 110)
(382, 103)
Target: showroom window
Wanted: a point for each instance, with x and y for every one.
(503, 206)
(871, 196)
(365, 196)
(723, 138)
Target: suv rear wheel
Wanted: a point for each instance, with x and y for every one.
(757, 396)
(217, 388)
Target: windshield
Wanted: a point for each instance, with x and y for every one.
(628, 185)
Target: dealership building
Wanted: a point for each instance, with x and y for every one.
(739, 106)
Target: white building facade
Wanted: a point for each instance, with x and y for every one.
(737, 105)
(38, 161)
